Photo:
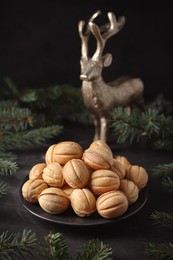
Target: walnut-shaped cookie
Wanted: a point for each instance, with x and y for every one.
(138, 175)
(76, 173)
(98, 157)
(103, 181)
(97, 144)
(63, 152)
(119, 168)
(31, 189)
(83, 202)
(37, 171)
(53, 200)
(112, 204)
(53, 175)
(125, 162)
(67, 189)
(130, 189)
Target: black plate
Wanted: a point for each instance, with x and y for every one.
(70, 218)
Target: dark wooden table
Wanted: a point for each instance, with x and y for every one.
(128, 237)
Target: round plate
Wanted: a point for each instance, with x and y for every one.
(70, 218)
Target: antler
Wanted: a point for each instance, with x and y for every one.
(103, 33)
(85, 37)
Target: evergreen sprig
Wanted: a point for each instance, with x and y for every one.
(8, 104)
(7, 167)
(55, 248)
(61, 102)
(15, 118)
(51, 103)
(160, 251)
(95, 249)
(164, 250)
(167, 183)
(23, 139)
(11, 156)
(163, 170)
(3, 189)
(162, 219)
(16, 245)
(135, 125)
(165, 173)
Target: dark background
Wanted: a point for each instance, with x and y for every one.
(40, 45)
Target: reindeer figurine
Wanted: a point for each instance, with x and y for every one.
(100, 97)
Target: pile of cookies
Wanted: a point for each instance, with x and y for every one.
(91, 180)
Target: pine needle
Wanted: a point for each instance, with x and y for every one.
(135, 125)
(95, 250)
(15, 118)
(16, 246)
(4, 155)
(8, 104)
(163, 170)
(55, 248)
(25, 139)
(167, 183)
(7, 167)
(162, 219)
(160, 251)
(3, 189)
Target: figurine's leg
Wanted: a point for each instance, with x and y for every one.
(97, 127)
(103, 129)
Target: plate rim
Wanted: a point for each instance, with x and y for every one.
(83, 221)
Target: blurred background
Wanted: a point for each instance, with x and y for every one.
(40, 44)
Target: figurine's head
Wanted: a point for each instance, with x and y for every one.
(91, 67)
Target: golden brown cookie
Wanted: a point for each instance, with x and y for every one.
(103, 181)
(31, 189)
(98, 145)
(83, 202)
(125, 162)
(76, 173)
(63, 152)
(119, 168)
(67, 189)
(53, 200)
(37, 171)
(112, 204)
(53, 175)
(138, 175)
(97, 159)
(130, 189)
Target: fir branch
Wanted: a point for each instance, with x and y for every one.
(11, 156)
(160, 251)
(3, 189)
(16, 246)
(126, 124)
(95, 249)
(9, 90)
(162, 144)
(162, 219)
(7, 167)
(61, 101)
(8, 104)
(21, 140)
(15, 118)
(167, 183)
(137, 125)
(163, 170)
(55, 248)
